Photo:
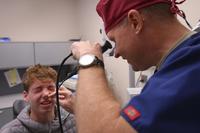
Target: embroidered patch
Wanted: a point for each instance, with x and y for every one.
(131, 112)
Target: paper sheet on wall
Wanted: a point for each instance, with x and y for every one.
(12, 77)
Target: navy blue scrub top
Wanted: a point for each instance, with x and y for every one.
(170, 101)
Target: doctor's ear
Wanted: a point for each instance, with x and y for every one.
(136, 20)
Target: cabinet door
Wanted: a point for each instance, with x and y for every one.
(16, 55)
(50, 53)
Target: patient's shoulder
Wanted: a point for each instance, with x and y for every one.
(14, 126)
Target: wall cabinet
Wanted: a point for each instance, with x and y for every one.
(16, 55)
(52, 53)
(25, 54)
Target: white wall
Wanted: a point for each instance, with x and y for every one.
(191, 9)
(119, 70)
(89, 21)
(60, 20)
(39, 20)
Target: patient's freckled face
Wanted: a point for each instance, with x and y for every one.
(38, 96)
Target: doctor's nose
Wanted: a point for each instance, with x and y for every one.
(117, 55)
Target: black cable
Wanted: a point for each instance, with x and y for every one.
(104, 48)
(57, 89)
(184, 17)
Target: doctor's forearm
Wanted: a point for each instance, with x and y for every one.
(95, 102)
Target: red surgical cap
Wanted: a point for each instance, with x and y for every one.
(113, 11)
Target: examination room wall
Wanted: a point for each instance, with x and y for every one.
(191, 9)
(39, 20)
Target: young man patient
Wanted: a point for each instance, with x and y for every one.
(40, 116)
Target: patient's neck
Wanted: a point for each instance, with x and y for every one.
(42, 117)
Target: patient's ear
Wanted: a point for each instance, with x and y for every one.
(26, 96)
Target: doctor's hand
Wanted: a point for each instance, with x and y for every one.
(85, 47)
(66, 99)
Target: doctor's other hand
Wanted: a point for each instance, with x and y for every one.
(66, 99)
